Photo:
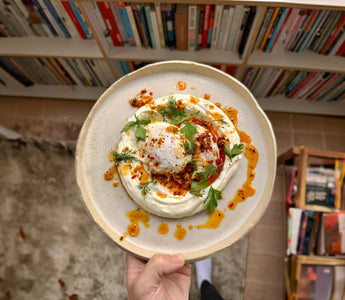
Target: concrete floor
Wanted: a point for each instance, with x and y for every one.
(62, 119)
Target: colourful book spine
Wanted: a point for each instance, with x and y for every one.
(301, 84)
(144, 25)
(160, 24)
(109, 20)
(277, 28)
(150, 25)
(57, 18)
(169, 18)
(205, 22)
(269, 28)
(134, 27)
(334, 34)
(80, 19)
(74, 19)
(210, 27)
(44, 17)
(142, 35)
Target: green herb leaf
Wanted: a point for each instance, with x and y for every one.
(144, 187)
(222, 121)
(211, 199)
(208, 171)
(198, 186)
(189, 130)
(140, 133)
(236, 150)
(124, 156)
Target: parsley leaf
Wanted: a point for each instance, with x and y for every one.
(123, 156)
(140, 132)
(144, 187)
(236, 150)
(222, 121)
(208, 171)
(198, 186)
(211, 199)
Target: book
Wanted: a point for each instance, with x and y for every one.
(306, 240)
(310, 85)
(277, 29)
(121, 6)
(246, 31)
(181, 27)
(294, 221)
(330, 87)
(118, 20)
(200, 18)
(294, 28)
(222, 26)
(283, 77)
(235, 24)
(133, 25)
(57, 18)
(241, 28)
(74, 19)
(205, 24)
(301, 85)
(109, 20)
(324, 282)
(296, 80)
(149, 25)
(216, 25)
(160, 24)
(334, 233)
(50, 17)
(315, 229)
(192, 27)
(339, 37)
(15, 73)
(328, 81)
(263, 27)
(80, 19)
(271, 82)
(170, 25)
(302, 231)
(45, 18)
(338, 27)
(307, 282)
(155, 28)
(143, 23)
(339, 283)
(300, 30)
(269, 27)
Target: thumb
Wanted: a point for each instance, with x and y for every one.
(163, 264)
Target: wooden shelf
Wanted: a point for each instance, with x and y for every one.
(49, 47)
(282, 104)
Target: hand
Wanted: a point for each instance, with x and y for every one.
(163, 277)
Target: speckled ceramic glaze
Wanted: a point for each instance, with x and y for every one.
(101, 132)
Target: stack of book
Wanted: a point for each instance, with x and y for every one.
(315, 233)
(317, 86)
(318, 30)
(47, 18)
(56, 71)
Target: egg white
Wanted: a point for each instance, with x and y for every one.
(176, 206)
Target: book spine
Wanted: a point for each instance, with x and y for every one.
(14, 73)
(169, 18)
(118, 21)
(153, 16)
(210, 27)
(160, 24)
(109, 20)
(207, 12)
(80, 19)
(181, 27)
(333, 35)
(238, 14)
(340, 50)
(51, 18)
(57, 18)
(223, 22)
(74, 19)
(150, 26)
(246, 31)
(192, 33)
(45, 18)
(200, 17)
(144, 25)
(126, 23)
(240, 31)
(142, 35)
(216, 25)
(223, 41)
(269, 28)
(263, 27)
(133, 25)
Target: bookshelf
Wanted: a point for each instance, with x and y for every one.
(99, 49)
(309, 256)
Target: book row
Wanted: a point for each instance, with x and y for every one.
(325, 186)
(47, 18)
(315, 233)
(56, 71)
(321, 282)
(317, 86)
(296, 29)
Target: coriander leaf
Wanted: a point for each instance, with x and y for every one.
(189, 146)
(140, 133)
(128, 126)
(123, 156)
(198, 186)
(189, 130)
(236, 150)
(211, 199)
(208, 171)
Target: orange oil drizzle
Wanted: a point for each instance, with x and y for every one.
(180, 232)
(214, 220)
(136, 216)
(247, 189)
(163, 228)
(181, 85)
